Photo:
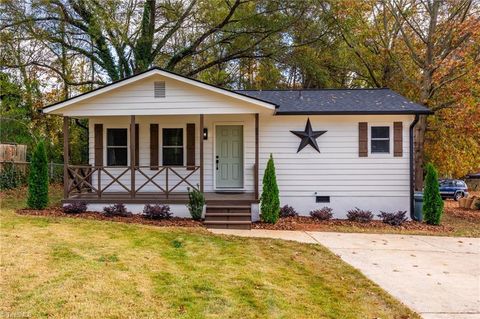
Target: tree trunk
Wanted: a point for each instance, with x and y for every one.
(419, 138)
(421, 127)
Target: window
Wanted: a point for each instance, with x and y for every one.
(117, 148)
(172, 146)
(380, 139)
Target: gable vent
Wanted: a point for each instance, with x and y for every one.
(159, 89)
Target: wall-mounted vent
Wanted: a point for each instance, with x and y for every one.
(159, 88)
(322, 199)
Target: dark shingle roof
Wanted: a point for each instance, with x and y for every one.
(338, 101)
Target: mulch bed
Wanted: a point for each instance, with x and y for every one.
(289, 223)
(307, 223)
(133, 219)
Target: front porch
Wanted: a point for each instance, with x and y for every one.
(139, 160)
(139, 166)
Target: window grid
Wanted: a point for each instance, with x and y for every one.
(380, 147)
(171, 157)
(115, 158)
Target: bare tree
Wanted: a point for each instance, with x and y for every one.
(434, 32)
(128, 37)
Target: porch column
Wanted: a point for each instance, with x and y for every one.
(132, 156)
(66, 156)
(257, 142)
(201, 152)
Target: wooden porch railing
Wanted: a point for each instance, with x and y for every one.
(90, 179)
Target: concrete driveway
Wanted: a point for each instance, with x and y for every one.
(438, 277)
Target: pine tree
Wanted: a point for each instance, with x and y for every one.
(38, 178)
(270, 201)
(432, 201)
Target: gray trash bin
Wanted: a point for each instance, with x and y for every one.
(418, 210)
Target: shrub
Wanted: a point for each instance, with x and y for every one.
(75, 208)
(157, 211)
(324, 213)
(432, 201)
(287, 211)
(196, 201)
(116, 210)
(11, 177)
(394, 219)
(477, 204)
(359, 215)
(38, 179)
(270, 201)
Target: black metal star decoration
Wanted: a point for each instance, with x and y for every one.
(309, 137)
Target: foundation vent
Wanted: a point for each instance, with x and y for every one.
(322, 199)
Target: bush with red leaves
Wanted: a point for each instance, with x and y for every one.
(324, 213)
(359, 215)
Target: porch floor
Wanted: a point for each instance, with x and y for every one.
(211, 198)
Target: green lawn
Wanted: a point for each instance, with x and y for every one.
(65, 267)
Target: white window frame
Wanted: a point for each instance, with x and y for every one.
(389, 139)
(107, 146)
(183, 128)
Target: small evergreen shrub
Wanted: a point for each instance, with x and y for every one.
(75, 208)
(116, 210)
(157, 211)
(432, 201)
(287, 211)
(37, 197)
(11, 177)
(359, 215)
(270, 201)
(394, 219)
(324, 213)
(196, 201)
(477, 204)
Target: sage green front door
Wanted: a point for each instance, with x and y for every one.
(229, 156)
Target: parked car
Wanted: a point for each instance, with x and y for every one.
(453, 188)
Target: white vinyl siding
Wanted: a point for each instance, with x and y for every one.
(138, 98)
(379, 181)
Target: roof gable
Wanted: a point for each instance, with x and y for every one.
(147, 79)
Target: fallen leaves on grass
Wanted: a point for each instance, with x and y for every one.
(307, 223)
(134, 219)
(467, 214)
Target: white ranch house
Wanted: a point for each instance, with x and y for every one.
(156, 133)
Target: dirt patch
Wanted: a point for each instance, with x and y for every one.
(307, 223)
(133, 219)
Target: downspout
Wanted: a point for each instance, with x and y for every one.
(412, 180)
